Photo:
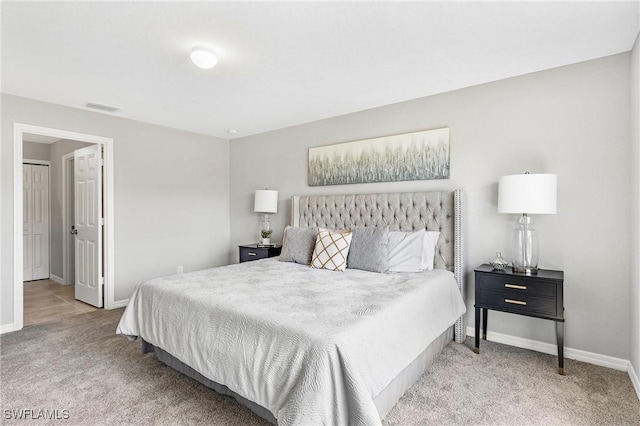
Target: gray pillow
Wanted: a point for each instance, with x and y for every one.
(368, 250)
(298, 244)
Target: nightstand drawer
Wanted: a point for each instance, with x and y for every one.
(252, 254)
(518, 302)
(518, 284)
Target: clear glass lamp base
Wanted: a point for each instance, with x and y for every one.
(525, 250)
(525, 270)
(265, 229)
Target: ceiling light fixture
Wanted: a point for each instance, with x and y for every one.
(204, 57)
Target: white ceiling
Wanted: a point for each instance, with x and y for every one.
(282, 64)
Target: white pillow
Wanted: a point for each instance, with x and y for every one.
(405, 251)
(429, 249)
(412, 251)
(331, 250)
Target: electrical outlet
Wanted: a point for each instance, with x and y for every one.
(180, 270)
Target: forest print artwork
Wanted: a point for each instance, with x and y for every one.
(411, 156)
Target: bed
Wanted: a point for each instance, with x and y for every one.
(298, 345)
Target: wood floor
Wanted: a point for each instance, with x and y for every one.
(47, 301)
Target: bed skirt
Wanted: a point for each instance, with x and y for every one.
(384, 401)
(183, 368)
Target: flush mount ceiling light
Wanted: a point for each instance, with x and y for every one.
(204, 57)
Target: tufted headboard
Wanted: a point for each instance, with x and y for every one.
(401, 211)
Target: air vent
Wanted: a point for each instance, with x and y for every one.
(101, 107)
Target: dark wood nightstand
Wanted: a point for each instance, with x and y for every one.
(256, 251)
(539, 296)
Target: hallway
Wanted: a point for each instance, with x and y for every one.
(46, 301)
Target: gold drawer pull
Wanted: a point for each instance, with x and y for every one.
(515, 302)
(252, 254)
(517, 287)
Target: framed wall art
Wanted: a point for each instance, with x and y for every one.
(410, 156)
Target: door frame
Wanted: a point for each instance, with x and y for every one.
(48, 164)
(108, 211)
(66, 261)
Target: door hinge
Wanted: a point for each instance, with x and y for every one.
(102, 221)
(102, 281)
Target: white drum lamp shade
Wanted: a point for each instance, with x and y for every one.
(266, 201)
(528, 193)
(524, 195)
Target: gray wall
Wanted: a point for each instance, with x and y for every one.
(635, 200)
(573, 121)
(58, 149)
(36, 151)
(171, 194)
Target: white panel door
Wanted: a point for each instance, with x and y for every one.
(35, 231)
(88, 224)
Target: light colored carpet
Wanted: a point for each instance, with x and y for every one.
(80, 365)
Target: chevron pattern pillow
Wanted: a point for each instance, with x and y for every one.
(331, 250)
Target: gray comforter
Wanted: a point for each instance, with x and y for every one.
(312, 346)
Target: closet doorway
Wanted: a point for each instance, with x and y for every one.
(36, 222)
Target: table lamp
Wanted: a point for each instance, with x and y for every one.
(266, 202)
(524, 195)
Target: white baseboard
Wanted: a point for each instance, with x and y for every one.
(7, 328)
(57, 279)
(634, 379)
(119, 304)
(577, 354)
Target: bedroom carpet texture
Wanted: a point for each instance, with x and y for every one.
(79, 364)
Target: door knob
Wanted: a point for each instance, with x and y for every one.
(73, 230)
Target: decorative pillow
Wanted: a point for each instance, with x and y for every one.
(297, 244)
(331, 250)
(429, 249)
(405, 251)
(368, 250)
